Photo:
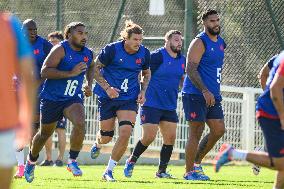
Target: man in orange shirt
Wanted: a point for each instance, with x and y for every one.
(16, 98)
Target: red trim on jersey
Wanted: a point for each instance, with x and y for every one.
(280, 70)
(261, 113)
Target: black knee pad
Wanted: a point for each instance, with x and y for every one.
(126, 123)
(107, 133)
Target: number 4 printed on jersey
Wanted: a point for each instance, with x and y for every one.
(124, 85)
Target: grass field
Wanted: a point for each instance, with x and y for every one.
(230, 177)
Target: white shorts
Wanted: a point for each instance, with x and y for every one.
(7, 149)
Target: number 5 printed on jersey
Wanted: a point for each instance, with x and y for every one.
(219, 77)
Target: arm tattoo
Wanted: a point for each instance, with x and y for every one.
(191, 70)
(146, 79)
(98, 76)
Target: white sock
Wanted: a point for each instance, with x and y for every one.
(196, 164)
(240, 155)
(20, 157)
(111, 164)
(71, 160)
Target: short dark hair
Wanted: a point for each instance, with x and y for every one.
(207, 13)
(56, 34)
(72, 26)
(129, 29)
(170, 33)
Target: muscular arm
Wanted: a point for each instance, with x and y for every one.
(49, 69)
(146, 76)
(90, 74)
(194, 54)
(276, 93)
(263, 75)
(98, 76)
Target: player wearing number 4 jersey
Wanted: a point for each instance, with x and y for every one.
(201, 94)
(64, 70)
(117, 71)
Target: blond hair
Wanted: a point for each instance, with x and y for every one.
(129, 29)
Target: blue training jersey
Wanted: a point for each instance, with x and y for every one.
(265, 106)
(122, 70)
(166, 73)
(67, 88)
(210, 67)
(41, 49)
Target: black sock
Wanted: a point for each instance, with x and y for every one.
(165, 156)
(32, 158)
(73, 154)
(138, 150)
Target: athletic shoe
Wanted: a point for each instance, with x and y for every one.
(58, 163)
(223, 156)
(74, 168)
(20, 171)
(192, 175)
(46, 163)
(29, 172)
(95, 151)
(129, 166)
(164, 175)
(107, 176)
(200, 172)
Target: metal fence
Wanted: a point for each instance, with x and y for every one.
(242, 128)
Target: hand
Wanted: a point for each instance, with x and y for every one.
(209, 98)
(141, 98)
(78, 69)
(112, 92)
(87, 91)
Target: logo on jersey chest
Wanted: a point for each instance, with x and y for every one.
(221, 47)
(36, 51)
(138, 61)
(86, 59)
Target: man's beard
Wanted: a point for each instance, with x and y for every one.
(212, 32)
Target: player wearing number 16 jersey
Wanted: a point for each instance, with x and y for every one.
(117, 71)
(201, 94)
(64, 70)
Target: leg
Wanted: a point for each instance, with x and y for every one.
(195, 132)
(217, 130)
(150, 118)
(124, 133)
(149, 132)
(62, 143)
(168, 131)
(148, 136)
(104, 136)
(48, 148)
(106, 126)
(45, 131)
(76, 114)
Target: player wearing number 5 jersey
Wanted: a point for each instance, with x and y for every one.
(117, 71)
(64, 70)
(201, 94)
